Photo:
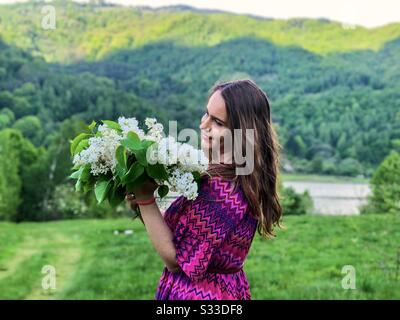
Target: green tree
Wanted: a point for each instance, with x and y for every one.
(385, 186)
(349, 167)
(16, 156)
(7, 118)
(31, 128)
(317, 164)
(52, 170)
(294, 203)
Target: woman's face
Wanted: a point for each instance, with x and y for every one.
(213, 124)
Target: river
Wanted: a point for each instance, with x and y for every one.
(330, 198)
(333, 198)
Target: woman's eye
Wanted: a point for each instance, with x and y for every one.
(216, 121)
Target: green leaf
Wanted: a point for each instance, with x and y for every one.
(141, 153)
(163, 190)
(147, 143)
(77, 140)
(121, 156)
(101, 189)
(196, 175)
(157, 171)
(78, 186)
(82, 174)
(116, 196)
(141, 157)
(88, 186)
(132, 142)
(76, 174)
(133, 136)
(82, 145)
(135, 171)
(112, 125)
(85, 175)
(92, 126)
(135, 184)
(120, 171)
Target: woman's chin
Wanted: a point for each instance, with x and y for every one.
(205, 148)
(205, 145)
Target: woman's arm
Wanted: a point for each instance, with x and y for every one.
(160, 234)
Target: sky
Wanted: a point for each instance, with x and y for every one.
(367, 13)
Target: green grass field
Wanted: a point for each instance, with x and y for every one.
(304, 262)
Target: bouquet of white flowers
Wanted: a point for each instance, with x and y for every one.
(114, 158)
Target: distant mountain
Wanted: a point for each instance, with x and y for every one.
(92, 32)
(178, 8)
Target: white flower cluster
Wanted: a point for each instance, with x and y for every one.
(101, 152)
(192, 159)
(156, 130)
(183, 183)
(169, 152)
(130, 124)
(164, 152)
(180, 159)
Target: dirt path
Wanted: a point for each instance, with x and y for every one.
(67, 252)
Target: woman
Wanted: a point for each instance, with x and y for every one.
(204, 242)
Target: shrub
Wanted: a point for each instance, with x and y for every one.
(385, 186)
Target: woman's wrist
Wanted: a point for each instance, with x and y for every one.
(143, 196)
(144, 201)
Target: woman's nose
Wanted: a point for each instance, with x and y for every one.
(203, 127)
(203, 124)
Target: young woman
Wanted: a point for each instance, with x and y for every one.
(204, 242)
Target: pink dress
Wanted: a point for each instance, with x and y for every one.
(212, 232)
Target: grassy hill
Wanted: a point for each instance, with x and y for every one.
(305, 261)
(92, 32)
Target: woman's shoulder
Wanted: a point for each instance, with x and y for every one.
(222, 189)
(220, 184)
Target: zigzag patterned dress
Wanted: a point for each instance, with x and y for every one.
(212, 232)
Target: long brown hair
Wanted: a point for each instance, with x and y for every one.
(248, 107)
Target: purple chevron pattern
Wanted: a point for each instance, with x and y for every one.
(213, 231)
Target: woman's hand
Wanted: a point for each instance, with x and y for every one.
(131, 201)
(144, 192)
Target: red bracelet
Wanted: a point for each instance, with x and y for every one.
(146, 202)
